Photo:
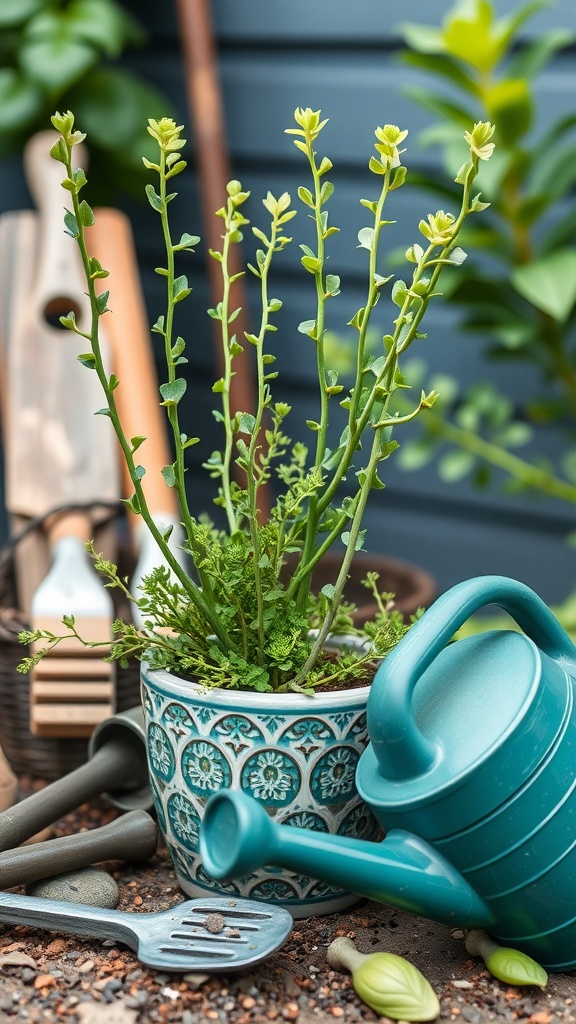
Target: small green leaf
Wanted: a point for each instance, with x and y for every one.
(305, 195)
(133, 503)
(380, 281)
(102, 302)
(154, 199)
(549, 283)
(308, 327)
(97, 271)
(87, 359)
(189, 442)
(399, 178)
(456, 257)
(173, 391)
(169, 474)
(399, 293)
(180, 288)
(246, 423)
(69, 321)
(16, 12)
(311, 264)
(326, 191)
(455, 465)
(51, 55)
(186, 242)
(86, 214)
(366, 238)
(71, 224)
(139, 472)
(136, 442)
(376, 166)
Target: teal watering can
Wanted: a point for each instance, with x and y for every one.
(471, 770)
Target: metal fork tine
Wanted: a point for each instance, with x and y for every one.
(235, 940)
(193, 954)
(235, 913)
(189, 923)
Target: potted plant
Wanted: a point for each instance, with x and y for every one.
(248, 679)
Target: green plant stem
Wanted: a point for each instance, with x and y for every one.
(351, 549)
(372, 298)
(172, 409)
(227, 357)
(194, 592)
(312, 519)
(263, 400)
(525, 472)
(306, 570)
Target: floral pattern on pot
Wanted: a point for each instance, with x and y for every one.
(205, 768)
(296, 755)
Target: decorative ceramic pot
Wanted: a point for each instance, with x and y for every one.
(295, 754)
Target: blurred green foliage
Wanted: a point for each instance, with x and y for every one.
(66, 53)
(517, 292)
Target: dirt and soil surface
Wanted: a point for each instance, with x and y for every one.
(47, 977)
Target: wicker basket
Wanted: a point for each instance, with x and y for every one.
(34, 755)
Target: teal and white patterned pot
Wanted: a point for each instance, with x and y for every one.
(295, 754)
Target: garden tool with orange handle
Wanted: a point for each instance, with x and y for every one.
(57, 452)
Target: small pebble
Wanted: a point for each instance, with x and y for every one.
(195, 980)
(214, 923)
(86, 967)
(91, 886)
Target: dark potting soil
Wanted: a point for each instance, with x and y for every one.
(46, 977)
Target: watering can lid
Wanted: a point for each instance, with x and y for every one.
(480, 703)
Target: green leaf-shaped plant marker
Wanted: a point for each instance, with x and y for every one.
(508, 965)
(392, 986)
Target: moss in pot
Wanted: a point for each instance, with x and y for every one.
(238, 685)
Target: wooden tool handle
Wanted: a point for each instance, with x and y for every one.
(69, 524)
(132, 837)
(123, 759)
(137, 397)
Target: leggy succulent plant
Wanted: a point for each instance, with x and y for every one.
(237, 622)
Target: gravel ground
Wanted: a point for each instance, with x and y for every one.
(47, 977)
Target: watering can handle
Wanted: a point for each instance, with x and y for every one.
(401, 750)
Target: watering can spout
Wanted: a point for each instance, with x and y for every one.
(237, 837)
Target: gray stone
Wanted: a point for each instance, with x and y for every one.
(91, 886)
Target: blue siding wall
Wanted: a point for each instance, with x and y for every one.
(274, 56)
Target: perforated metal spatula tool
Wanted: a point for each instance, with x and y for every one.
(215, 934)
